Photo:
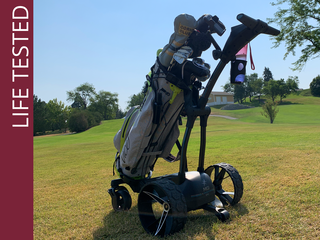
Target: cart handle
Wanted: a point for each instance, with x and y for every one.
(252, 23)
(240, 35)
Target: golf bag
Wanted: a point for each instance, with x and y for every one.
(150, 130)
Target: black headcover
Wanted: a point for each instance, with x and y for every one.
(199, 42)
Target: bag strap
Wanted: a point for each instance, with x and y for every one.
(251, 59)
(123, 132)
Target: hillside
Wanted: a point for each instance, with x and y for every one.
(305, 109)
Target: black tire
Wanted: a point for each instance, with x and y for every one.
(227, 181)
(162, 208)
(121, 200)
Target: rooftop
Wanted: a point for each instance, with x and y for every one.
(222, 93)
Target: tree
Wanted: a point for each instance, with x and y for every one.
(135, 99)
(120, 114)
(267, 74)
(287, 87)
(105, 103)
(239, 93)
(299, 27)
(270, 110)
(228, 87)
(57, 114)
(78, 102)
(63, 116)
(81, 95)
(271, 89)
(39, 115)
(249, 85)
(315, 86)
(257, 86)
(293, 83)
(283, 89)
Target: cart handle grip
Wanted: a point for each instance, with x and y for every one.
(252, 23)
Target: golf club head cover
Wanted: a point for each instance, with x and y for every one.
(199, 42)
(184, 25)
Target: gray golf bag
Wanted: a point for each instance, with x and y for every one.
(150, 130)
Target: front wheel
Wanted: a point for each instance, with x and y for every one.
(227, 181)
(120, 199)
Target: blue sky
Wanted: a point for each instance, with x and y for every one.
(113, 44)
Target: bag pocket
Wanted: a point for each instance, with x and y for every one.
(122, 134)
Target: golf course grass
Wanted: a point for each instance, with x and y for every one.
(279, 164)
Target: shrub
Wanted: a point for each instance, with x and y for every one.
(315, 86)
(270, 110)
(78, 122)
(94, 118)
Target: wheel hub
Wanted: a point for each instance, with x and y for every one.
(166, 207)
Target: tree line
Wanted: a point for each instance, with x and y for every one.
(265, 85)
(88, 109)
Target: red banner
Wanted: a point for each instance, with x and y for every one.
(16, 171)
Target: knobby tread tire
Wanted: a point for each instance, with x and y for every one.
(177, 202)
(236, 179)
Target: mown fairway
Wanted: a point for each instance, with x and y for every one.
(279, 164)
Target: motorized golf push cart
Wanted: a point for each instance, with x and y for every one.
(163, 202)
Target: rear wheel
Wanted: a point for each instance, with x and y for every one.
(162, 208)
(227, 181)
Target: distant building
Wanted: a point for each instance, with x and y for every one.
(219, 98)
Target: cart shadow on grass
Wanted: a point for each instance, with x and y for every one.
(126, 224)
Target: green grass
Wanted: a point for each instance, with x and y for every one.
(303, 114)
(295, 109)
(279, 164)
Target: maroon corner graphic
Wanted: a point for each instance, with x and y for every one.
(16, 99)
